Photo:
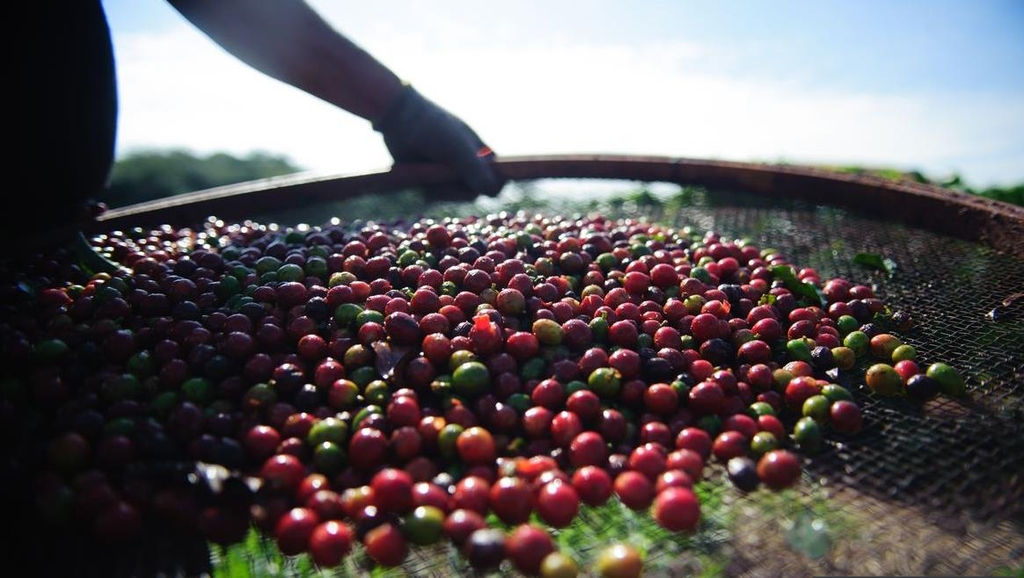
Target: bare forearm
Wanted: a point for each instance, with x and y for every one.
(289, 41)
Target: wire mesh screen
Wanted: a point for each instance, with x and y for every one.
(935, 489)
(931, 489)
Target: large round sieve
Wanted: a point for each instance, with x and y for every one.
(933, 489)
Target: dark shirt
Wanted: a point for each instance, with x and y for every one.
(65, 126)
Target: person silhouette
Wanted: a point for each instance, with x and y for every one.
(67, 92)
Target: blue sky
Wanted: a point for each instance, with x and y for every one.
(936, 86)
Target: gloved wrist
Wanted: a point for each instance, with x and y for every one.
(416, 129)
(400, 111)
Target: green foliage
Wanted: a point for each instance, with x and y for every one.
(801, 289)
(876, 261)
(886, 173)
(1011, 194)
(149, 175)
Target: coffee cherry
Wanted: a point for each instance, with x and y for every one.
(439, 372)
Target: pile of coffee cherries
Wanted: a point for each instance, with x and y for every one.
(362, 385)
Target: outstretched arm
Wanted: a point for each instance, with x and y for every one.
(289, 41)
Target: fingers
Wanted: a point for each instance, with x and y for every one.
(482, 177)
(473, 162)
(419, 130)
(476, 165)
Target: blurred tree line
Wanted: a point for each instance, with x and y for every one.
(1010, 194)
(148, 175)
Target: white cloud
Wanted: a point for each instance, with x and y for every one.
(178, 89)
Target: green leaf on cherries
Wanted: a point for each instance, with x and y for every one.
(800, 289)
(876, 261)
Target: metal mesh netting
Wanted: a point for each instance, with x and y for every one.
(930, 489)
(933, 489)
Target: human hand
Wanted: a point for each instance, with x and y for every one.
(418, 130)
